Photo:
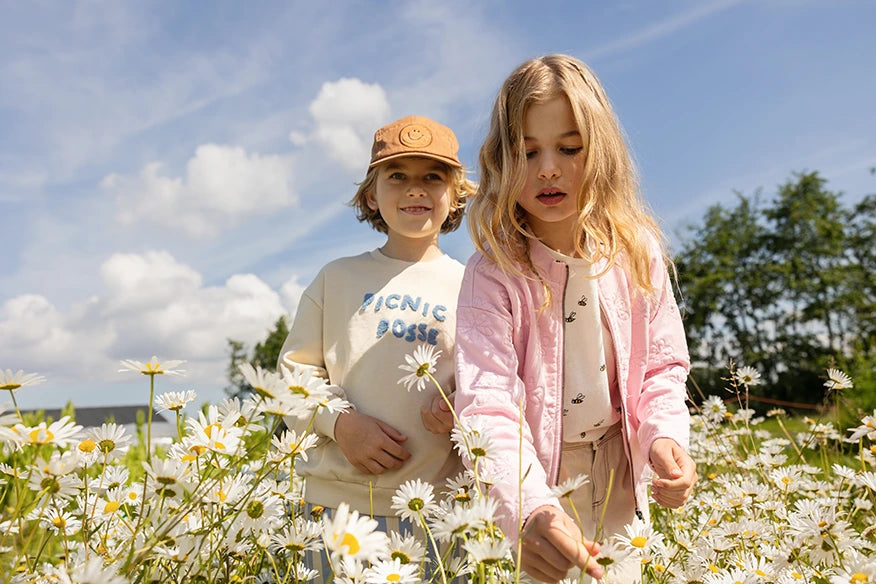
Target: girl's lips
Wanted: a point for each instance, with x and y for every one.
(551, 198)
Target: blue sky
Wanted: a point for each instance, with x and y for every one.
(175, 173)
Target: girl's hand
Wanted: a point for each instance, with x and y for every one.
(437, 418)
(676, 473)
(370, 445)
(552, 544)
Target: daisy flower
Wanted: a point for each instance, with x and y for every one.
(488, 551)
(214, 431)
(301, 536)
(867, 428)
(747, 376)
(413, 499)
(110, 440)
(404, 548)
(569, 486)
(152, 367)
(12, 381)
(837, 380)
(60, 433)
(288, 445)
(424, 360)
(60, 521)
(351, 536)
(170, 477)
(305, 391)
(264, 383)
(262, 512)
(640, 538)
(174, 401)
(392, 571)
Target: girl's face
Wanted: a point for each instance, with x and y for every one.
(413, 195)
(554, 170)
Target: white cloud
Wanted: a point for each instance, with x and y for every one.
(151, 304)
(346, 113)
(222, 185)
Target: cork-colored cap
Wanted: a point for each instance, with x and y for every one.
(415, 136)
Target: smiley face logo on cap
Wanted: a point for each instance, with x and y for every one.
(415, 136)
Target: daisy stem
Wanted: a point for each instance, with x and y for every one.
(434, 546)
(15, 403)
(149, 419)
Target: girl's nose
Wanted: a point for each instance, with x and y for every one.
(548, 169)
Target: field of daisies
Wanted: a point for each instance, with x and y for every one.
(221, 502)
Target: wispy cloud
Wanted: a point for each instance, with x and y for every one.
(661, 29)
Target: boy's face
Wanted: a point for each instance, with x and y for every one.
(413, 196)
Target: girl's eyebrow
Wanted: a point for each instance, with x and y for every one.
(568, 134)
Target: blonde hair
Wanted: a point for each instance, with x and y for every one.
(462, 189)
(613, 221)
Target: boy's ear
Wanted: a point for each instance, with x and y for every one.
(371, 200)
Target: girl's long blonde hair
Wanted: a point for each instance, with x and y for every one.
(613, 222)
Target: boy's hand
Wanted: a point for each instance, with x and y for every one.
(676, 473)
(437, 418)
(370, 445)
(552, 544)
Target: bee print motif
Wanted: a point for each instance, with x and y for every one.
(582, 301)
(599, 423)
(565, 411)
(602, 367)
(578, 399)
(583, 434)
(571, 317)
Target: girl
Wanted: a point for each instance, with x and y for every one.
(566, 314)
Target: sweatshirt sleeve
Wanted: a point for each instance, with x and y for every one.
(303, 350)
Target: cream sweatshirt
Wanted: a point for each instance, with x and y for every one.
(355, 323)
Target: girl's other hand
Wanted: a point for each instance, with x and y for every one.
(437, 418)
(552, 545)
(676, 473)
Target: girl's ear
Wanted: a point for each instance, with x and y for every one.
(371, 200)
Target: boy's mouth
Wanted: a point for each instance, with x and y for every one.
(550, 197)
(416, 209)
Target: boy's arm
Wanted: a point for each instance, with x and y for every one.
(303, 351)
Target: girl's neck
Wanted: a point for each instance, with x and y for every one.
(558, 237)
(411, 250)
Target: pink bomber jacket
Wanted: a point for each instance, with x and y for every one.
(507, 353)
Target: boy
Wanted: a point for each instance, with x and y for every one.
(363, 314)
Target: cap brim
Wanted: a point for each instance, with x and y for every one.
(445, 160)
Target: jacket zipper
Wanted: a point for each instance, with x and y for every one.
(559, 453)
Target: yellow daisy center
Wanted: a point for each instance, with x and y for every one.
(111, 507)
(859, 578)
(87, 445)
(59, 522)
(639, 541)
(351, 542)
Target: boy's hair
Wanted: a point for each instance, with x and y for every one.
(613, 220)
(461, 189)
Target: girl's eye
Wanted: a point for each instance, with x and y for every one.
(571, 151)
(530, 154)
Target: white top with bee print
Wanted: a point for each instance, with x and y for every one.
(590, 401)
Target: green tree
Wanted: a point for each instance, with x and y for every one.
(782, 285)
(264, 355)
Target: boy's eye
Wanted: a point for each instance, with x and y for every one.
(434, 176)
(396, 176)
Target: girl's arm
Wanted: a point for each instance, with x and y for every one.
(489, 393)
